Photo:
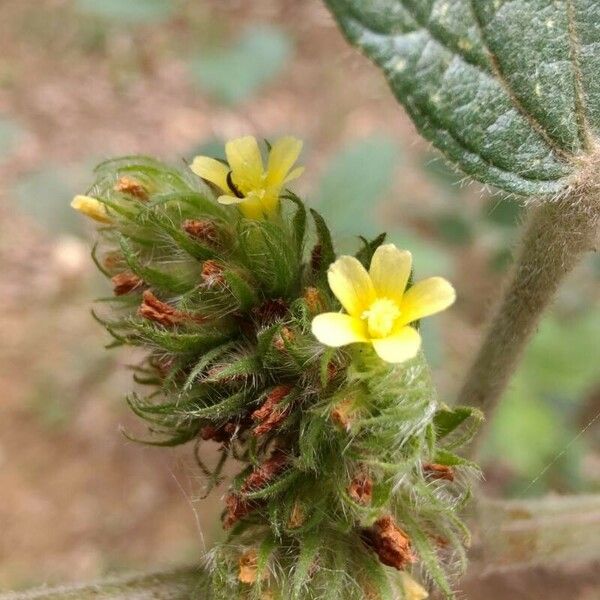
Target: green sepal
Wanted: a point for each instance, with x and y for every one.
(365, 254)
(241, 290)
(325, 242)
(165, 282)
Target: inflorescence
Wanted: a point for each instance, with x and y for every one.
(349, 484)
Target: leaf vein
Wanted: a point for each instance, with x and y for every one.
(580, 102)
(514, 99)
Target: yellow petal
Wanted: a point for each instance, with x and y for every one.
(212, 170)
(398, 347)
(351, 285)
(294, 174)
(253, 208)
(336, 329)
(245, 161)
(269, 201)
(92, 208)
(390, 270)
(412, 589)
(426, 298)
(284, 153)
(225, 199)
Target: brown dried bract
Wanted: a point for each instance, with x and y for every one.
(248, 567)
(361, 489)
(125, 283)
(236, 508)
(342, 413)
(158, 311)
(285, 335)
(313, 299)
(390, 543)
(212, 273)
(270, 414)
(203, 230)
(436, 471)
(297, 517)
(264, 474)
(113, 260)
(271, 310)
(217, 434)
(132, 187)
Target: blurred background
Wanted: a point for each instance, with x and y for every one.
(82, 80)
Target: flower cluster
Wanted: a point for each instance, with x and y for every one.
(303, 366)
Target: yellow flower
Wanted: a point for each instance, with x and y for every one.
(412, 589)
(379, 307)
(244, 180)
(92, 208)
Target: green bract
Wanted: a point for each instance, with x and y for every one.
(336, 448)
(507, 89)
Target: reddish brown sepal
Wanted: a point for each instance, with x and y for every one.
(270, 414)
(436, 471)
(390, 543)
(264, 474)
(203, 230)
(270, 311)
(158, 311)
(125, 283)
(212, 274)
(132, 187)
(361, 489)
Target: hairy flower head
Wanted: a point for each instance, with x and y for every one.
(92, 208)
(379, 308)
(244, 180)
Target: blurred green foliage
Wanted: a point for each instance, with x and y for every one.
(129, 11)
(10, 133)
(537, 424)
(45, 196)
(235, 74)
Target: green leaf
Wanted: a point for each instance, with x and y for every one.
(507, 89)
(235, 74)
(129, 11)
(534, 426)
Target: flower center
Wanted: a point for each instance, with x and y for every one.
(381, 317)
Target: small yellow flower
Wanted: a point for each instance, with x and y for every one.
(92, 208)
(379, 307)
(244, 180)
(412, 589)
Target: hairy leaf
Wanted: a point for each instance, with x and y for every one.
(507, 89)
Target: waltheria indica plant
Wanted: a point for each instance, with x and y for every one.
(302, 366)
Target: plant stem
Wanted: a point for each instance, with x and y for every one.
(558, 233)
(511, 534)
(178, 584)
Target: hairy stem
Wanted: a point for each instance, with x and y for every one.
(557, 235)
(510, 534)
(179, 584)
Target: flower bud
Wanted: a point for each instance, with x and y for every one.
(92, 208)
